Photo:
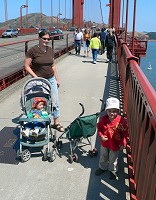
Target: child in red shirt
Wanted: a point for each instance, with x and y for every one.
(112, 131)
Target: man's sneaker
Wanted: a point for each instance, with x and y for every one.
(113, 176)
(99, 171)
(94, 62)
(35, 132)
(25, 133)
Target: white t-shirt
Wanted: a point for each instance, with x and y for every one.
(78, 36)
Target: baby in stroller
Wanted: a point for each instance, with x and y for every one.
(37, 103)
(37, 111)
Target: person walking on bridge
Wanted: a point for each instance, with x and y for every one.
(113, 132)
(95, 45)
(78, 38)
(110, 42)
(102, 36)
(39, 62)
(86, 42)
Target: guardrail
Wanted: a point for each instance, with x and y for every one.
(139, 100)
(57, 49)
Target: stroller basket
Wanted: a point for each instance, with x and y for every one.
(82, 127)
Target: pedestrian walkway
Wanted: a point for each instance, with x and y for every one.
(81, 81)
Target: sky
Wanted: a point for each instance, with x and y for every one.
(145, 11)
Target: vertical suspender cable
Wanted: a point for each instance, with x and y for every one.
(6, 13)
(65, 10)
(51, 10)
(101, 11)
(27, 14)
(134, 18)
(122, 14)
(41, 13)
(126, 20)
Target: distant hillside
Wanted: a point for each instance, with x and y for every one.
(34, 21)
(151, 35)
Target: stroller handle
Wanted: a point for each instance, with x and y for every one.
(104, 105)
(82, 109)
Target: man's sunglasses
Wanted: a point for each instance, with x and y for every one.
(46, 39)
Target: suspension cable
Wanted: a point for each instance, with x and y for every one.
(101, 11)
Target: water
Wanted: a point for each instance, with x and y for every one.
(150, 59)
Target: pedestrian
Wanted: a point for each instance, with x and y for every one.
(86, 42)
(113, 132)
(95, 45)
(39, 62)
(78, 38)
(102, 36)
(110, 42)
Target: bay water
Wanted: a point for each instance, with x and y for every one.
(150, 59)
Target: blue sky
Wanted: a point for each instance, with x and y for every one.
(145, 15)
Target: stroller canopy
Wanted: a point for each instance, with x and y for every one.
(37, 87)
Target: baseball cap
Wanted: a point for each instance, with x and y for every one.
(112, 102)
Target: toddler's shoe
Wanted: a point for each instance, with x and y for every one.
(35, 132)
(25, 133)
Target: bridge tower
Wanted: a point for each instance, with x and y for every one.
(77, 13)
(114, 15)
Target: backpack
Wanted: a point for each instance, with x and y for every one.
(110, 40)
(87, 42)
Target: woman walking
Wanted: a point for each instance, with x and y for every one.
(86, 42)
(39, 62)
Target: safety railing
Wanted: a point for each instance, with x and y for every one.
(139, 100)
(59, 47)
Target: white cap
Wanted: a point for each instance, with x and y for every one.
(112, 103)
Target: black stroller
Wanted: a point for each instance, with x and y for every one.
(36, 87)
(83, 127)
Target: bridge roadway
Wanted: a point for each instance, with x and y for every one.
(81, 81)
(12, 56)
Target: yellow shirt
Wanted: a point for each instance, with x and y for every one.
(95, 43)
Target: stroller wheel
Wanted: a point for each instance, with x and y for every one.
(70, 159)
(93, 153)
(52, 156)
(25, 155)
(45, 155)
(75, 157)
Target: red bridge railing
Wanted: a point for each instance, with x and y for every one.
(139, 99)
